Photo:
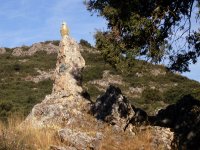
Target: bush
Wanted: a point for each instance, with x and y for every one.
(7, 106)
(85, 43)
(151, 95)
(174, 94)
(16, 67)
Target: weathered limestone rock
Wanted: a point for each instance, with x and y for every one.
(17, 52)
(80, 139)
(66, 111)
(48, 48)
(2, 50)
(66, 101)
(113, 108)
(184, 118)
(37, 47)
(68, 68)
(162, 136)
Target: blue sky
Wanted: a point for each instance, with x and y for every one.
(24, 22)
(29, 21)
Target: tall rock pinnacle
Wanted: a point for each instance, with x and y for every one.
(65, 102)
(68, 67)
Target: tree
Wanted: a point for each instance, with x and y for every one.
(148, 29)
(85, 43)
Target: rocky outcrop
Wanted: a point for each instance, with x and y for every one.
(17, 52)
(48, 48)
(106, 80)
(162, 137)
(184, 118)
(2, 50)
(80, 139)
(114, 108)
(65, 110)
(37, 47)
(65, 103)
(68, 68)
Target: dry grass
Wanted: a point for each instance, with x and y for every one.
(13, 137)
(124, 141)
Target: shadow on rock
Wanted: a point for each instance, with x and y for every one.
(113, 107)
(184, 118)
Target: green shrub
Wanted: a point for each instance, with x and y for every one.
(151, 95)
(174, 94)
(93, 91)
(16, 67)
(85, 43)
(7, 106)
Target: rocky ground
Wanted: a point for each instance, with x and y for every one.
(82, 124)
(82, 121)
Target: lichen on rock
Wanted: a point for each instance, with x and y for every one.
(69, 66)
(65, 101)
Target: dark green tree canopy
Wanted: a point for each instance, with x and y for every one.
(148, 29)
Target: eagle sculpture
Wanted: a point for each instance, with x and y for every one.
(64, 29)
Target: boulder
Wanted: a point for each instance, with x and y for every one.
(113, 108)
(80, 139)
(184, 118)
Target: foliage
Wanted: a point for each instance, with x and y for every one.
(85, 43)
(19, 96)
(175, 93)
(16, 94)
(147, 29)
(54, 42)
(151, 95)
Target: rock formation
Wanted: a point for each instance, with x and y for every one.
(68, 68)
(184, 119)
(113, 108)
(66, 100)
(37, 47)
(2, 50)
(67, 111)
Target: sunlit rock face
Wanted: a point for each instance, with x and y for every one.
(113, 107)
(33, 49)
(2, 51)
(65, 110)
(65, 105)
(68, 68)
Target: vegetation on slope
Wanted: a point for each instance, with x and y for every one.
(16, 94)
(158, 86)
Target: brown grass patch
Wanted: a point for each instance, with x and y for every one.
(14, 137)
(126, 141)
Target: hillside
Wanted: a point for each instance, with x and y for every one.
(25, 74)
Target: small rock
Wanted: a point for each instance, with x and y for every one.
(80, 140)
